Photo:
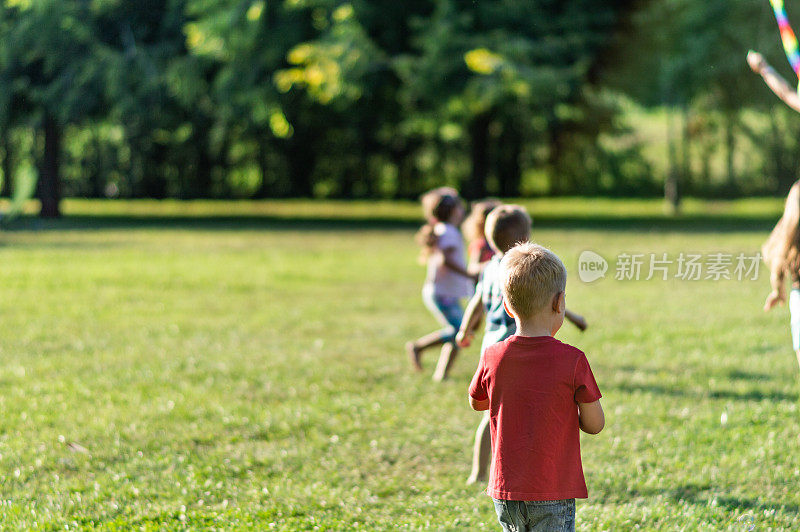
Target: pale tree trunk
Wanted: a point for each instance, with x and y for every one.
(730, 147)
(671, 192)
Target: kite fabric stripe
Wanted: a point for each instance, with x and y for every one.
(788, 37)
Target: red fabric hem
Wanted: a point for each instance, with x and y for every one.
(533, 496)
(599, 396)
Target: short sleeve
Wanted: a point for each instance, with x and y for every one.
(476, 388)
(586, 390)
(485, 280)
(449, 238)
(479, 285)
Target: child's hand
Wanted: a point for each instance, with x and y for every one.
(774, 298)
(463, 339)
(756, 61)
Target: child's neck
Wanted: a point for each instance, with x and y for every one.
(534, 327)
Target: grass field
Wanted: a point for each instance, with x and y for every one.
(240, 366)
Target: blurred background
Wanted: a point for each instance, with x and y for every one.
(383, 99)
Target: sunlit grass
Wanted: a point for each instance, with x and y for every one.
(250, 375)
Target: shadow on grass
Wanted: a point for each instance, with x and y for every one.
(656, 223)
(704, 494)
(749, 375)
(749, 395)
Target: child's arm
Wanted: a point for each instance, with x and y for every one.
(774, 80)
(471, 320)
(778, 294)
(451, 263)
(479, 405)
(577, 320)
(474, 264)
(590, 417)
(776, 249)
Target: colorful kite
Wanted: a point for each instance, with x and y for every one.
(788, 37)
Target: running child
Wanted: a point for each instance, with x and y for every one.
(478, 250)
(539, 392)
(447, 279)
(781, 251)
(506, 226)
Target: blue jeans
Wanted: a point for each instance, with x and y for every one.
(536, 516)
(446, 310)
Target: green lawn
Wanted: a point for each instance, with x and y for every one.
(240, 366)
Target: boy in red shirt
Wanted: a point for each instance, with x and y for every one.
(539, 392)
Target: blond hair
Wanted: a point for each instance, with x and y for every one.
(781, 250)
(530, 276)
(507, 226)
(474, 224)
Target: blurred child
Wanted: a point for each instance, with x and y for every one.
(780, 251)
(539, 392)
(782, 255)
(447, 279)
(506, 226)
(478, 250)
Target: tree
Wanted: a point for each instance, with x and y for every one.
(56, 64)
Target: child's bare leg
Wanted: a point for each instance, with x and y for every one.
(415, 349)
(482, 451)
(446, 358)
(798, 357)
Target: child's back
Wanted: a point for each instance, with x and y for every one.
(532, 384)
(539, 393)
(499, 325)
(442, 280)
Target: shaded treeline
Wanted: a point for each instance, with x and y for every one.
(297, 98)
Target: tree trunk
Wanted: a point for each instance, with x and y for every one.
(8, 165)
(671, 191)
(367, 147)
(509, 172)
(301, 160)
(475, 187)
(204, 180)
(153, 184)
(730, 149)
(347, 181)
(97, 171)
(705, 173)
(555, 140)
(263, 168)
(783, 175)
(50, 177)
(407, 171)
(686, 155)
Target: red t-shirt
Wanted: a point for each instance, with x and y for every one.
(533, 385)
(481, 246)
